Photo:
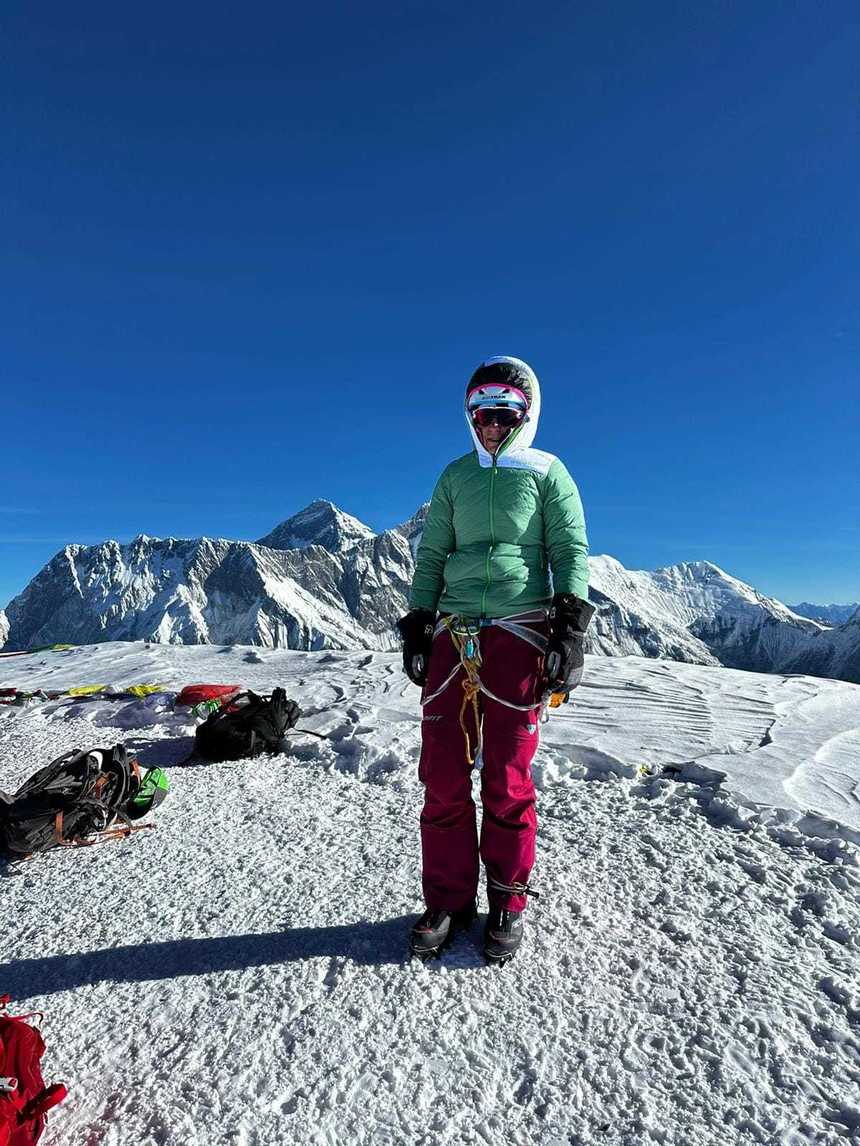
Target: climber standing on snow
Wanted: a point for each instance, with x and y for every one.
(488, 635)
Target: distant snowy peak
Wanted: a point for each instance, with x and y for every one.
(827, 614)
(695, 611)
(703, 589)
(191, 591)
(636, 616)
(414, 527)
(704, 586)
(320, 523)
(708, 591)
(322, 579)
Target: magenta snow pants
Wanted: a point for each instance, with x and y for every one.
(511, 669)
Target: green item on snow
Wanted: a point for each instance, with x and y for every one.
(154, 786)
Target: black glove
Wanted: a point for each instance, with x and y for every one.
(416, 629)
(568, 619)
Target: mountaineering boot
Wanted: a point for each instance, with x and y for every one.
(436, 927)
(503, 934)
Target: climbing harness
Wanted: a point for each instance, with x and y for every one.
(465, 634)
(119, 831)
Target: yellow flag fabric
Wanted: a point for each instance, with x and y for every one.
(144, 689)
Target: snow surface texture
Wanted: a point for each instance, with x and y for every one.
(689, 975)
(322, 579)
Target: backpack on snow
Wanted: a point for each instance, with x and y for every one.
(78, 799)
(246, 726)
(24, 1098)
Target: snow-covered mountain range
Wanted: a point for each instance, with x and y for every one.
(323, 579)
(827, 614)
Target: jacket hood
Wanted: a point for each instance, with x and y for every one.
(512, 372)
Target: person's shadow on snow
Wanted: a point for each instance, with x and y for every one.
(368, 943)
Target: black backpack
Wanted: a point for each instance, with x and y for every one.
(73, 800)
(247, 725)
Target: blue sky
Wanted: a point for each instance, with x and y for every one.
(251, 254)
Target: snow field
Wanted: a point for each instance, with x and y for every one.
(238, 975)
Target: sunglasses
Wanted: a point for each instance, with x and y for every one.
(486, 416)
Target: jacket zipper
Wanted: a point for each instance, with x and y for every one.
(492, 538)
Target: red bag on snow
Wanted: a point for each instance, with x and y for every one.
(198, 693)
(24, 1098)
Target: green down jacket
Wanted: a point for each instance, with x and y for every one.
(496, 527)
